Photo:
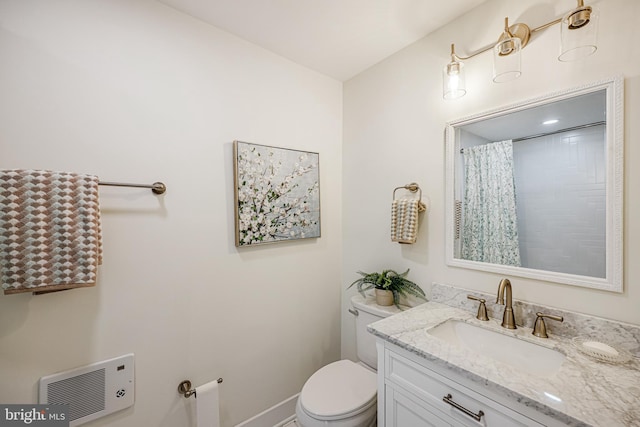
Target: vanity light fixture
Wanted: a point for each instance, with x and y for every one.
(506, 53)
(578, 44)
(453, 77)
(578, 36)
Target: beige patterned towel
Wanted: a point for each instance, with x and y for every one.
(50, 236)
(404, 220)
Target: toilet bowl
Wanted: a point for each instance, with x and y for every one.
(341, 394)
(344, 393)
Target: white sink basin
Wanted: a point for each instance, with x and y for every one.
(523, 355)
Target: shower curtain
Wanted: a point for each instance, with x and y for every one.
(490, 228)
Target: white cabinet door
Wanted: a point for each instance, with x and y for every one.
(404, 410)
(414, 392)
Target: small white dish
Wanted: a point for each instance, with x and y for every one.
(605, 352)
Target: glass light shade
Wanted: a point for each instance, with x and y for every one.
(453, 82)
(578, 34)
(506, 60)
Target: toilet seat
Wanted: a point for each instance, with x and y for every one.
(339, 390)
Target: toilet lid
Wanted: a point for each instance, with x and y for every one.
(342, 388)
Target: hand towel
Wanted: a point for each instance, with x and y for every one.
(50, 235)
(404, 220)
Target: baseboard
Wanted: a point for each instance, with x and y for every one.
(283, 423)
(276, 416)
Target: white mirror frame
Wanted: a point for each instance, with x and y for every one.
(614, 187)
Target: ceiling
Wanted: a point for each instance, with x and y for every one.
(574, 111)
(338, 38)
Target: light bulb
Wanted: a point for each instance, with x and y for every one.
(453, 80)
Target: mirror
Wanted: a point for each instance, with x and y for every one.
(535, 189)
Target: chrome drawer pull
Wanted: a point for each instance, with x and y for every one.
(477, 417)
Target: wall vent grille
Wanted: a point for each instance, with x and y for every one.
(91, 391)
(84, 393)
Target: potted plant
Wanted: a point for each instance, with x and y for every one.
(388, 286)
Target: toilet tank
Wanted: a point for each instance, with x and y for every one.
(368, 312)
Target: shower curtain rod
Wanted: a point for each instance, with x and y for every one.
(156, 187)
(524, 138)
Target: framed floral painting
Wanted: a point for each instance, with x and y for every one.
(277, 194)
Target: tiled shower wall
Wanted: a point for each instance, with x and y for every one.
(560, 191)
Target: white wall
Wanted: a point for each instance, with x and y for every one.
(394, 118)
(135, 91)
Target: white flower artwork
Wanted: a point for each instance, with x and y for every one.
(277, 194)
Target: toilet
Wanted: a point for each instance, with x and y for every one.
(343, 393)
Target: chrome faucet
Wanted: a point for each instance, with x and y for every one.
(508, 319)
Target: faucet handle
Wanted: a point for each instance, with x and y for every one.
(540, 328)
(482, 308)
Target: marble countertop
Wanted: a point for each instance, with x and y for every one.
(583, 392)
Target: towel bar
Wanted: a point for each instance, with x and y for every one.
(185, 388)
(156, 187)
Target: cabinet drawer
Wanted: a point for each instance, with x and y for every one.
(432, 388)
(404, 409)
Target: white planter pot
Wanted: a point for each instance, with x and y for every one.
(384, 297)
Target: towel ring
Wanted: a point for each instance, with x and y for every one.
(413, 187)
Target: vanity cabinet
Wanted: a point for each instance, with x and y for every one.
(412, 393)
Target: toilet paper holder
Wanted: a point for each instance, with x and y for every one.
(185, 388)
